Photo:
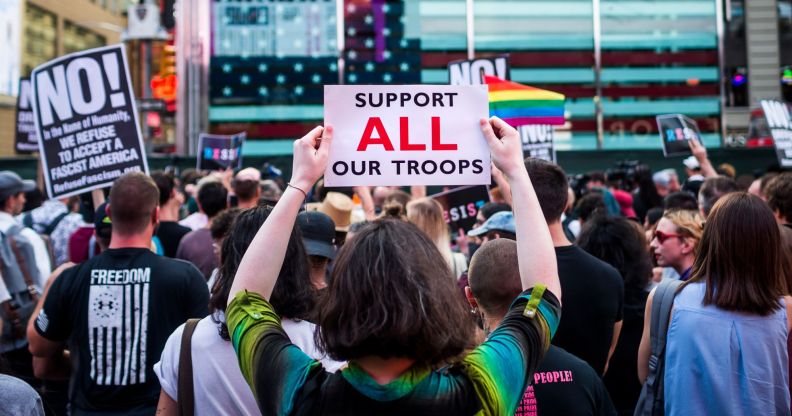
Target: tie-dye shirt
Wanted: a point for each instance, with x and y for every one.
(488, 381)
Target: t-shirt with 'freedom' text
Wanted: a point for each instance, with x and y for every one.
(116, 311)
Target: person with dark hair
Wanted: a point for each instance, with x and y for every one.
(115, 311)
(680, 200)
(712, 190)
(730, 322)
(622, 244)
(318, 231)
(196, 246)
(593, 290)
(646, 196)
(590, 206)
(218, 384)
(389, 313)
(779, 198)
(563, 384)
(247, 187)
(489, 209)
(169, 231)
(221, 226)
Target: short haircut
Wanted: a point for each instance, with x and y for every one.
(653, 215)
(417, 314)
(550, 183)
(133, 199)
(741, 262)
(165, 183)
(713, 189)
(491, 208)
(779, 195)
(213, 198)
(222, 223)
(596, 176)
(680, 200)
(494, 277)
(590, 205)
(245, 190)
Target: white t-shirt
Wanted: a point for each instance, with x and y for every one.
(218, 385)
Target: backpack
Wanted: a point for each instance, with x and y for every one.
(27, 221)
(20, 274)
(652, 399)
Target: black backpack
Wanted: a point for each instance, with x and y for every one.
(652, 399)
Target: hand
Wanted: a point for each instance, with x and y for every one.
(505, 146)
(698, 149)
(310, 157)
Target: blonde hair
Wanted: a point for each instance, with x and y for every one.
(689, 224)
(427, 215)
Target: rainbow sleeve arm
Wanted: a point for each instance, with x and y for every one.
(501, 368)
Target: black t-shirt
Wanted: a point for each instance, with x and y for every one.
(621, 380)
(170, 234)
(116, 311)
(565, 385)
(592, 296)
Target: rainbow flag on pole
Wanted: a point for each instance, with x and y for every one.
(519, 104)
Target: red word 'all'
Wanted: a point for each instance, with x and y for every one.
(375, 126)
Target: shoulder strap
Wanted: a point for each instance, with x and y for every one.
(27, 219)
(54, 224)
(662, 302)
(186, 399)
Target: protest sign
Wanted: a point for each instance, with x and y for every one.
(461, 205)
(85, 116)
(220, 151)
(537, 141)
(26, 140)
(780, 123)
(407, 135)
(472, 72)
(675, 131)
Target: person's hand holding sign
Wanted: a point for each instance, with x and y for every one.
(310, 157)
(700, 153)
(258, 271)
(535, 252)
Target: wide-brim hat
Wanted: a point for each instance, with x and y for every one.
(339, 208)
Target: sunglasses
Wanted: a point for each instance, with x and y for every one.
(662, 237)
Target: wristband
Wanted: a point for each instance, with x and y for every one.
(305, 195)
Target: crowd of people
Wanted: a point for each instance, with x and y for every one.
(623, 291)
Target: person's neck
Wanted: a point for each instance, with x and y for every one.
(247, 204)
(490, 322)
(384, 370)
(142, 240)
(318, 278)
(557, 233)
(209, 222)
(684, 265)
(169, 212)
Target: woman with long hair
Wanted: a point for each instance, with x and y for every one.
(427, 215)
(218, 385)
(621, 243)
(389, 311)
(726, 348)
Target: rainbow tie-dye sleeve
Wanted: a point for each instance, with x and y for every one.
(261, 344)
(501, 367)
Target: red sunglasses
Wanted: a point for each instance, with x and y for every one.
(662, 237)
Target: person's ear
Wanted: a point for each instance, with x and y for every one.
(688, 245)
(155, 215)
(469, 295)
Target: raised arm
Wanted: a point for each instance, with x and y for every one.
(535, 252)
(700, 153)
(259, 268)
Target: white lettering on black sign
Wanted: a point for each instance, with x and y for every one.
(84, 114)
(780, 123)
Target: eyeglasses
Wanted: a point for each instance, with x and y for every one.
(662, 237)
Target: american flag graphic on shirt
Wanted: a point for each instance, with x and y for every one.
(118, 306)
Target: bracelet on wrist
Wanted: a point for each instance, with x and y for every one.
(305, 194)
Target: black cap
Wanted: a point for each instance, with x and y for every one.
(318, 231)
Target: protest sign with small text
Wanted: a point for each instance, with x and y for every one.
(780, 123)
(407, 135)
(26, 140)
(84, 112)
(220, 151)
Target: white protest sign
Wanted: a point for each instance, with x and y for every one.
(407, 135)
(85, 116)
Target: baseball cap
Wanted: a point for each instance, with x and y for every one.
(625, 200)
(11, 184)
(500, 221)
(691, 163)
(102, 225)
(318, 231)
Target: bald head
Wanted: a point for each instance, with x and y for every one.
(494, 276)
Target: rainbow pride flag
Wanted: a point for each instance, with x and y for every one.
(519, 104)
